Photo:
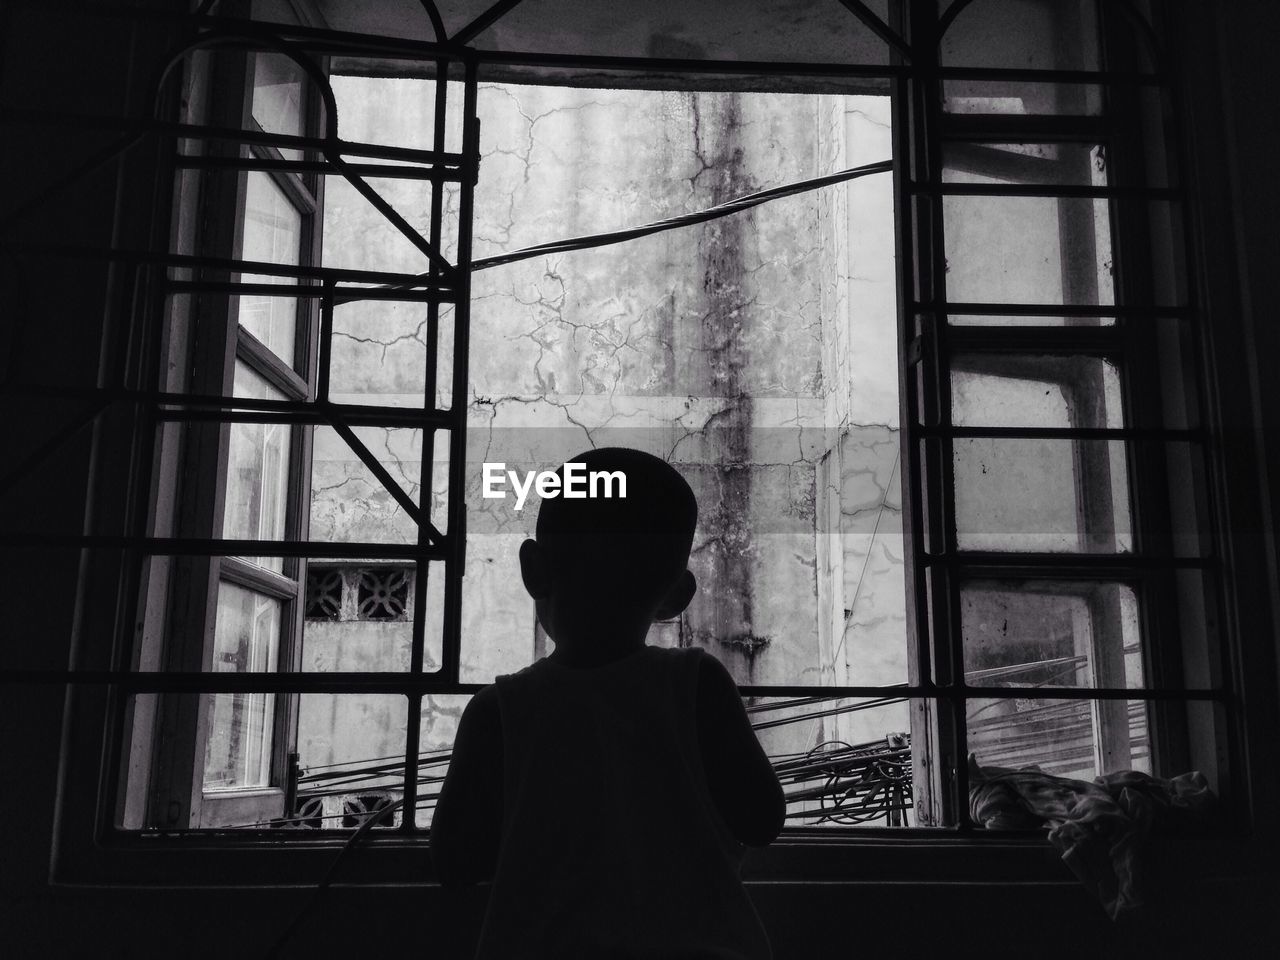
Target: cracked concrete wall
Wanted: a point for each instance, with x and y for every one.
(751, 351)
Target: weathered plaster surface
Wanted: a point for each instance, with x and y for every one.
(756, 352)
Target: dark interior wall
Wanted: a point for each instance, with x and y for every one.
(55, 313)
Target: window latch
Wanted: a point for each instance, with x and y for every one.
(915, 351)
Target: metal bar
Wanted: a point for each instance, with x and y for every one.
(174, 406)
(1027, 75)
(938, 474)
(969, 308)
(485, 20)
(1070, 564)
(1063, 433)
(725, 209)
(191, 131)
(325, 346)
(528, 58)
(412, 734)
(1100, 339)
(211, 547)
(427, 467)
(1019, 128)
(405, 228)
(951, 189)
(649, 65)
(234, 411)
(378, 470)
(317, 415)
(437, 24)
(342, 294)
(949, 15)
(253, 162)
(912, 382)
(230, 265)
(259, 682)
(409, 684)
(877, 26)
(451, 646)
(737, 205)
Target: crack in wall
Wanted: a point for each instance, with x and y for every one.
(724, 347)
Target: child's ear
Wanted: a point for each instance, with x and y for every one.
(677, 598)
(534, 570)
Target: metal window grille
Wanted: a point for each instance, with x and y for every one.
(940, 336)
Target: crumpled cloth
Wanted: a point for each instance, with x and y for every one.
(1101, 826)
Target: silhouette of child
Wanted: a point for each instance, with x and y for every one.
(608, 790)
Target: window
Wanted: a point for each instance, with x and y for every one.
(1034, 439)
(239, 339)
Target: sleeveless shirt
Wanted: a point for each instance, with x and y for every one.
(611, 844)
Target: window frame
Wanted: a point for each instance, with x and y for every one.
(207, 845)
(937, 564)
(221, 343)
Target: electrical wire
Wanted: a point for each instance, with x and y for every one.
(671, 223)
(273, 951)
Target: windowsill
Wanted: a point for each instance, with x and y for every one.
(922, 857)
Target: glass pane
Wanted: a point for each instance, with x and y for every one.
(257, 491)
(1021, 98)
(272, 234)
(1080, 739)
(238, 752)
(994, 320)
(1024, 35)
(1028, 633)
(1012, 390)
(1042, 495)
(1055, 164)
(1040, 250)
(277, 96)
(241, 725)
(351, 758)
(1048, 164)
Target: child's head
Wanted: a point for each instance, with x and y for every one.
(616, 557)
